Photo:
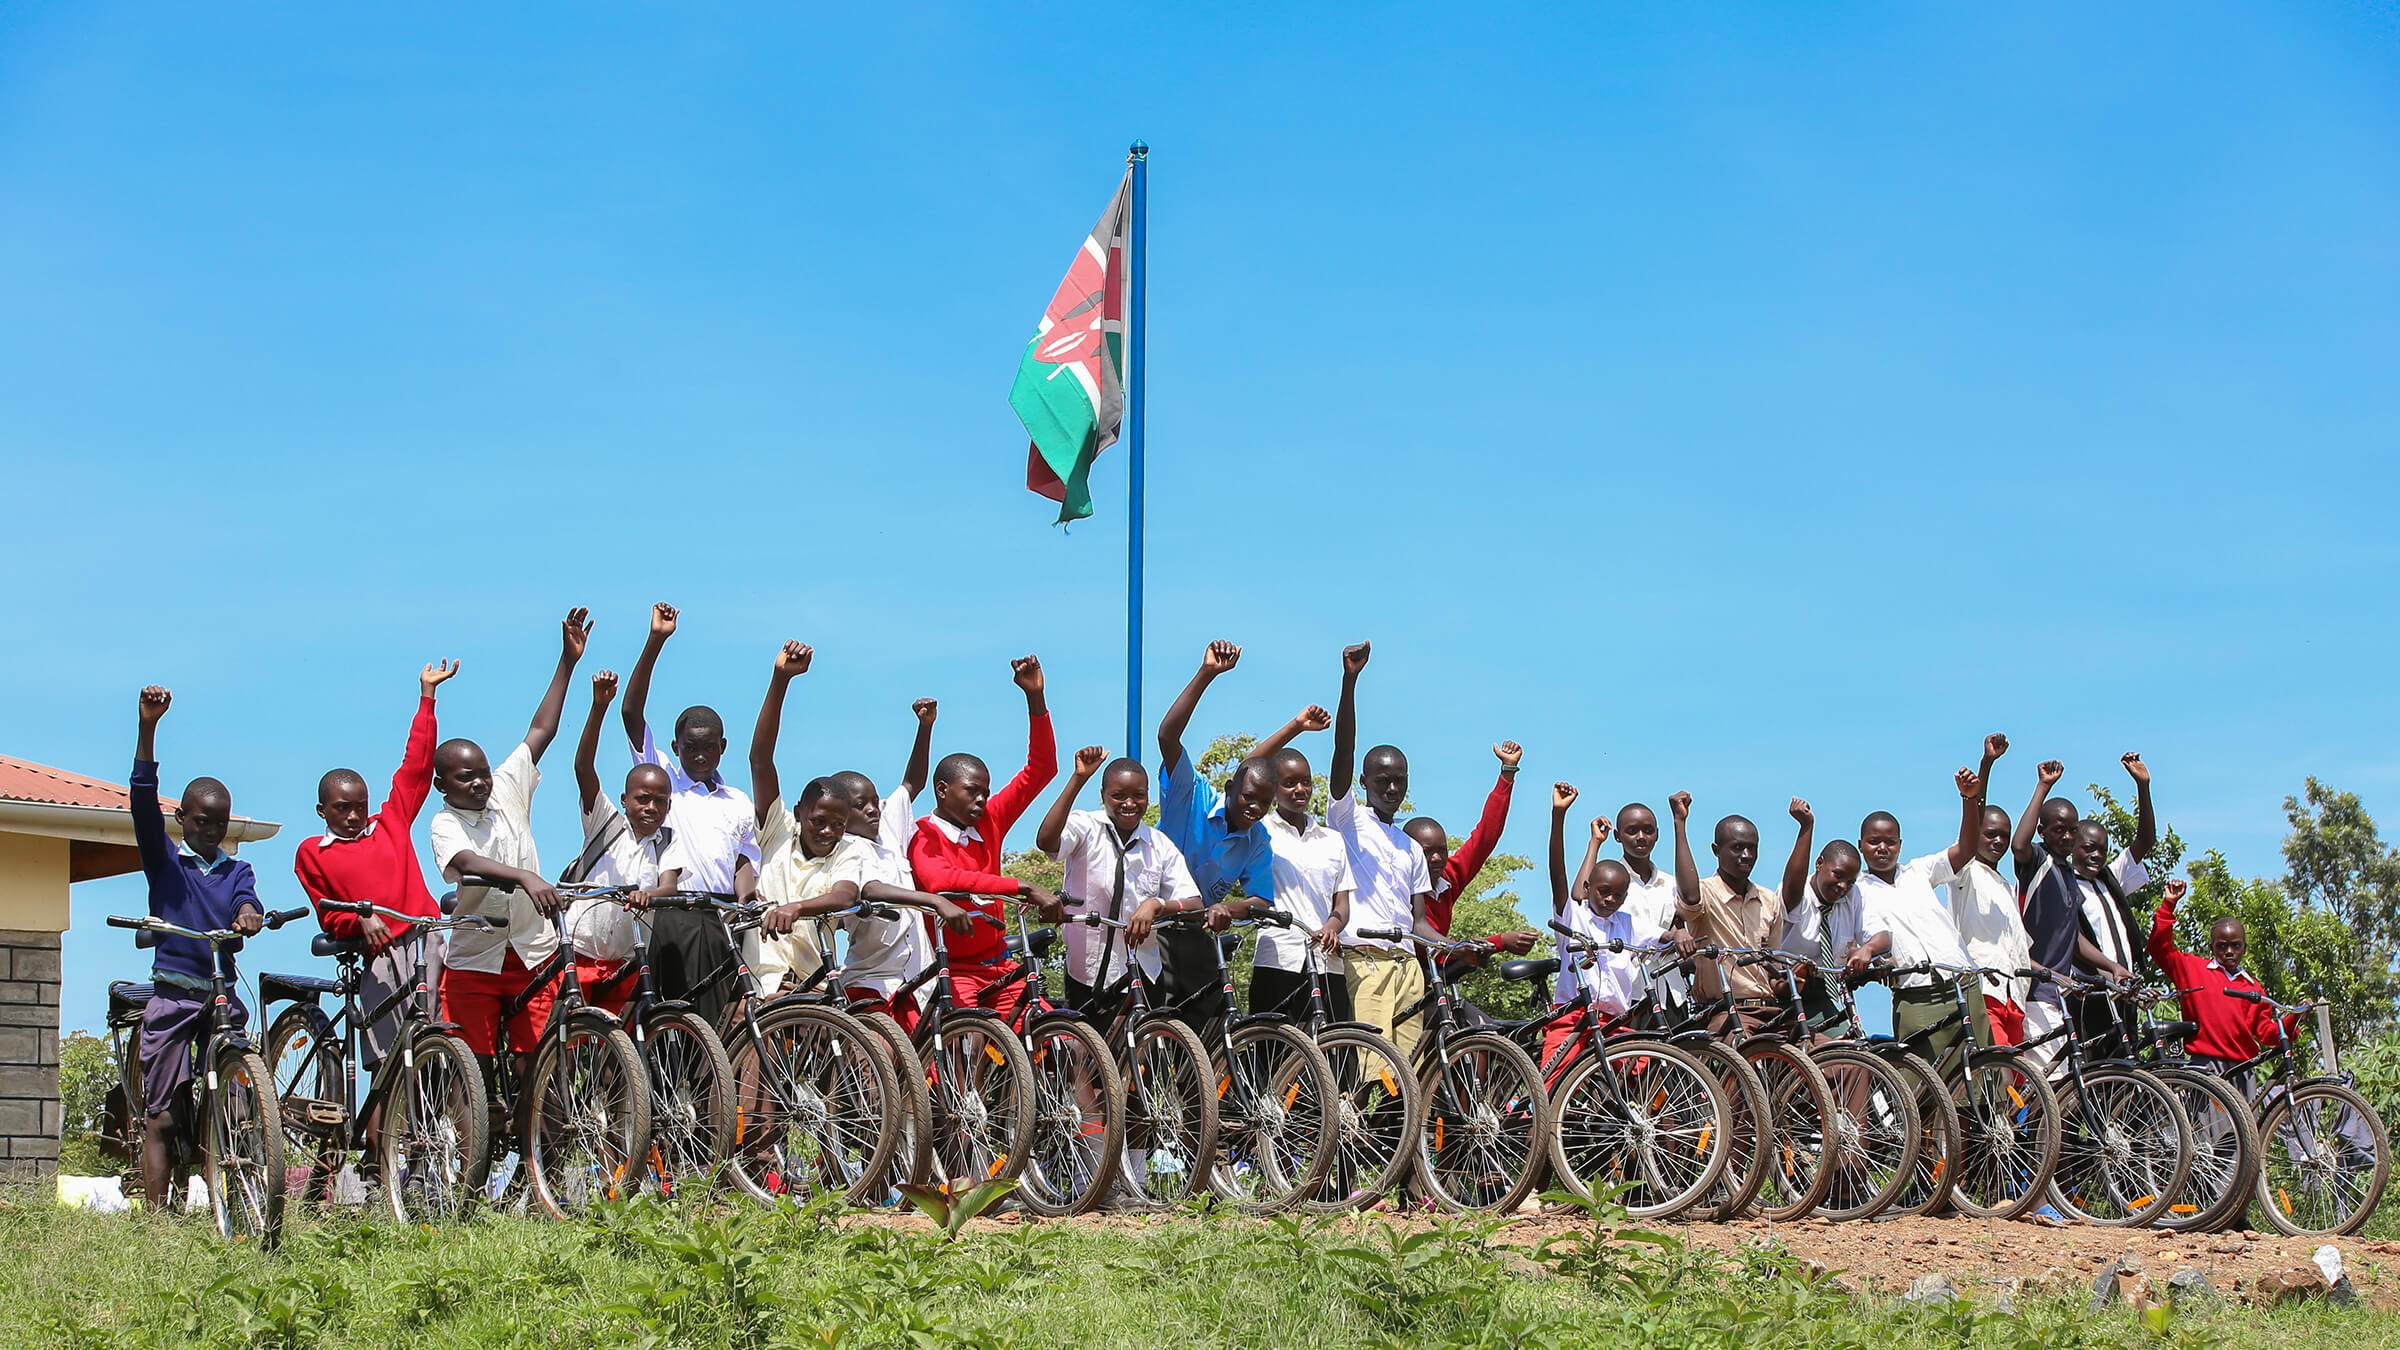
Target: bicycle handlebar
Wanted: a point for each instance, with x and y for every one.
(213, 937)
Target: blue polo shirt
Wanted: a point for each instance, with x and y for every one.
(1194, 817)
(186, 889)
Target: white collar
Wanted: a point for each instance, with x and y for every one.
(2215, 965)
(204, 864)
(1279, 825)
(330, 838)
(954, 833)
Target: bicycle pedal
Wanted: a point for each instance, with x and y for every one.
(315, 1113)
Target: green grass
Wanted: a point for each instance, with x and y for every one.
(740, 1279)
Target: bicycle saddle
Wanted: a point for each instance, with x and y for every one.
(126, 1001)
(1541, 969)
(325, 944)
(1043, 939)
(295, 988)
(2174, 1031)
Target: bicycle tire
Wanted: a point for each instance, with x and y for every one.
(1879, 1133)
(2297, 1167)
(912, 1157)
(1799, 1103)
(1935, 1174)
(983, 1099)
(1486, 1138)
(585, 1122)
(1279, 1117)
(306, 1070)
(691, 1102)
(1382, 1111)
(2225, 1151)
(2008, 1126)
(1747, 1112)
(433, 1154)
(1171, 1117)
(1668, 1143)
(1079, 1120)
(241, 1149)
(813, 1114)
(2112, 1170)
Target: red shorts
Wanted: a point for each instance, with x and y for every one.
(905, 1012)
(979, 987)
(2008, 1021)
(593, 974)
(473, 999)
(1557, 1034)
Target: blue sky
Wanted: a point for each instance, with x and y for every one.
(1752, 400)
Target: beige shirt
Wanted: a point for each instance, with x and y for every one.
(503, 832)
(787, 874)
(1754, 919)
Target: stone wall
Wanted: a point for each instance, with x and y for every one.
(29, 1110)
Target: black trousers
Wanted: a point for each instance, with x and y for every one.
(1286, 992)
(687, 947)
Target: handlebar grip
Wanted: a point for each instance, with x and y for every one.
(1277, 917)
(986, 918)
(2244, 995)
(1556, 927)
(1383, 934)
(489, 883)
(120, 921)
(281, 917)
(146, 939)
(1751, 960)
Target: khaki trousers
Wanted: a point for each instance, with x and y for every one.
(1382, 982)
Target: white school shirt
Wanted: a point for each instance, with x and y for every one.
(716, 824)
(883, 954)
(503, 832)
(604, 930)
(788, 874)
(1651, 906)
(1984, 906)
(1312, 865)
(1386, 866)
(1154, 870)
(2102, 914)
(1615, 979)
(1910, 906)
(1845, 918)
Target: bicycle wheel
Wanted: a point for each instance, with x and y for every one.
(2325, 1158)
(983, 1099)
(912, 1157)
(2225, 1155)
(311, 1094)
(2125, 1149)
(432, 1154)
(1381, 1110)
(1935, 1174)
(1875, 1136)
(691, 1102)
(1746, 1113)
(812, 1091)
(1078, 1120)
(1645, 1116)
(1487, 1124)
(586, 1123)
(2007, 1139)
(1279, 1117)
(1170, 1113)
(241, 1149)
(1799, 1103)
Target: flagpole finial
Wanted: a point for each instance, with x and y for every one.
(1139, 150)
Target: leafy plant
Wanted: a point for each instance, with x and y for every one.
(952, 1211)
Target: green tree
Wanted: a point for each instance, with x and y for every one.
(2301, 951)
(86, 1071)
(2164, 855)
(2339, 862)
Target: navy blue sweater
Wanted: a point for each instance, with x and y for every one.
(182, 891)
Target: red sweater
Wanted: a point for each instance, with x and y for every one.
(1470, 856)
(2230, 1028)
(974, 864)
(379, 866)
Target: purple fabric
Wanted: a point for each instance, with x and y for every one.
(170, 1022)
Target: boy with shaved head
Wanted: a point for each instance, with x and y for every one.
(1649, 889)
(1905, 900)
(1312, 884)
(1453, 872)
(621, 847)
(2060, 908)
(1222, 839)
(373, 858)
(1983, 903)
(1393, 882)
(880, 963)
(1614, 979)
(1825, 920)
(1727, 909)
(1117, 867)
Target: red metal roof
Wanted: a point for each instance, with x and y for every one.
(22, 780)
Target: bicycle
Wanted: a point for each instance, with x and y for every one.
(1079, 1097)
(2225, 1142)
(2325, 1154)
(980, 1081)
(1486, 1138)
(1171, 1120)
(1800, 1106)
(1874, 1132)
(1935, 1172)
(227, 1114)
(2008, 1114)
(1381, 1104)
(2125, 1143)
(912, 1157)
(428, 1146)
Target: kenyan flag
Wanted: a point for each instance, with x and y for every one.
(1070, 390)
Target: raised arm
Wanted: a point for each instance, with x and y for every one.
(1687, 872)
(636, 707)
(2162, 927)
(1795, 868)
(920, 751)
(1220, 657)
(1476, 849)
(2023, 843)
(765, 788)
(1970, 817)
(1591, 858)
(149, 823)
(1345, 721)
(2145, 828)
(413, 780)
(1041, 752)
(1562, 796)
(573, 633)
(1054, 825)
(1310, 718)
(587, 746)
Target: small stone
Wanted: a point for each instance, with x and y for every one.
(2191, 1286)
(2328, 1261)
(1933, 1288)
(2290, 1286)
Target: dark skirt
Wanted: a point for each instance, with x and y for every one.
(170, 1023)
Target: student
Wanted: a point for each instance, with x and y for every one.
(1117, 867)
(374, 859)
(1222, 839)
(1453, 872)
(890, 820)
(716, 832)
(2232, 1031)
(1983, 903)
(1615, 978)
(197, 885)
(1650, 895)
(620, 848)
(960, 847)
(485, 828)
(815, 865)
(886, 954)
(1393, 885)
(2058, 905)
(1904, 898)
(1728, 909)
(1312, 884)
(1825, 921)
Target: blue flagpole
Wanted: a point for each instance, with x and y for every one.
(1139, 156)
